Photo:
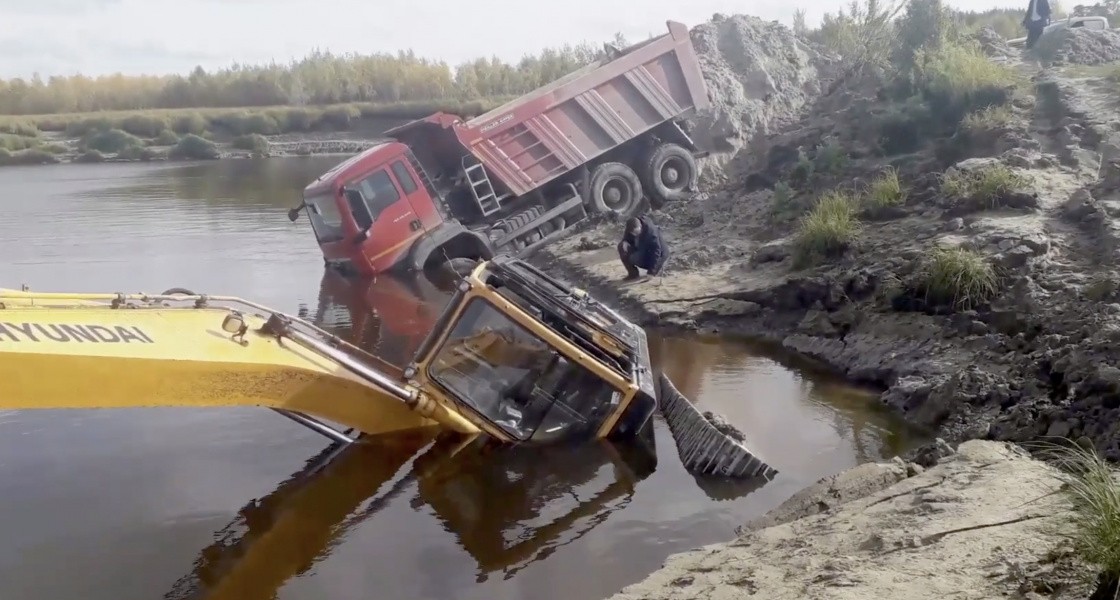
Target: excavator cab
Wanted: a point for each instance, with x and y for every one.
(528, 359)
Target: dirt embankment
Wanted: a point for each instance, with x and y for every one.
(1036, 358)
(977, 525)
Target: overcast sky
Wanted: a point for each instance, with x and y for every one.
(54, 37)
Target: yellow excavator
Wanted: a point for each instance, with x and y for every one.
(517, 357)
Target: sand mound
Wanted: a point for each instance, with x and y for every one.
(993, 44)
(759, 76)
(1080, 46)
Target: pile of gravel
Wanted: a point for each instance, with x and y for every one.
(1080, 46)
(759, 75)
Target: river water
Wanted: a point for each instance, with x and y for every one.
(238, 503)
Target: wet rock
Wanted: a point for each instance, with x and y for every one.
(819, 323)
(931, 454)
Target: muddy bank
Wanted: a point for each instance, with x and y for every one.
(977, 525)
(1035, 358)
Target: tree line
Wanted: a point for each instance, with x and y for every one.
(321, 78)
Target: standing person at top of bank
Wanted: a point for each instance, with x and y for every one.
(1038, 17)
(642, 246)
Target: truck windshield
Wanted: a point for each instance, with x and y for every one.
(517, 381)
(326, 220)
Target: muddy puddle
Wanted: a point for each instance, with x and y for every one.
(169, 503)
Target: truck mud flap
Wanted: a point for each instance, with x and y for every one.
(704, 448)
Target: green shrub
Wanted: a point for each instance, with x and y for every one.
(192, 147)
(339, 117)
(781, 202)
(111, 141)
(958, 278)
(905, 127)
(830, 158)
(884, 192)
(166, 138)
(983, 188)
(189, 123)
(828, 230)
(253, 142)
(87, 126)
(144, 125)
(300, 119)
(802, 173)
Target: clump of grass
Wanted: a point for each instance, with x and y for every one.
(21, 127)
(13, 143)
(986, 187)
(193, 147)
(958, 278)
(990, 118)
(884, 192)
(1093, 491)
(253, 142)
(828, 230)
(958, 79)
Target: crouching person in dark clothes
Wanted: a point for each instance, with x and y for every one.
(642, 247)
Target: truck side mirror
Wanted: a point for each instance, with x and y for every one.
(293, 214)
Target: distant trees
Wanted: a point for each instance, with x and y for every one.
(322, 78)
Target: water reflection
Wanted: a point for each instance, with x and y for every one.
(389, 316)
(506, 507)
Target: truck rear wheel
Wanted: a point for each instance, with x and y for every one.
(669, 174)
(616, 188)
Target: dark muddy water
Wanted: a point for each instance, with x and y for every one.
(177, 503)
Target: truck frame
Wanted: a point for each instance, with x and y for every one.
(605, 139)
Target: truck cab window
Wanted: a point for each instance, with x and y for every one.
(404, 177)
(326, 219)
(379, 192)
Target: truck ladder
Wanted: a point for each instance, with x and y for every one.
(488, 201)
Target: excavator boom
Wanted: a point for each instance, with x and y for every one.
(516, 356)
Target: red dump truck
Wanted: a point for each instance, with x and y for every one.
(601, 139)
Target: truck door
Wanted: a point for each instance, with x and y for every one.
(391, 225)
(420, 197)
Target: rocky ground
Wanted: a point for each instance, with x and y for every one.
(1037, 360)
(978, 525)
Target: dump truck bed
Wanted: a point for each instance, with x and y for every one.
(554, 129)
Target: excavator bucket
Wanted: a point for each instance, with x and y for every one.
(707, 446)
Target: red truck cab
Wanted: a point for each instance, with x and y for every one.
(377, 210)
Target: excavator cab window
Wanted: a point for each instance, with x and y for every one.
(515, 380)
